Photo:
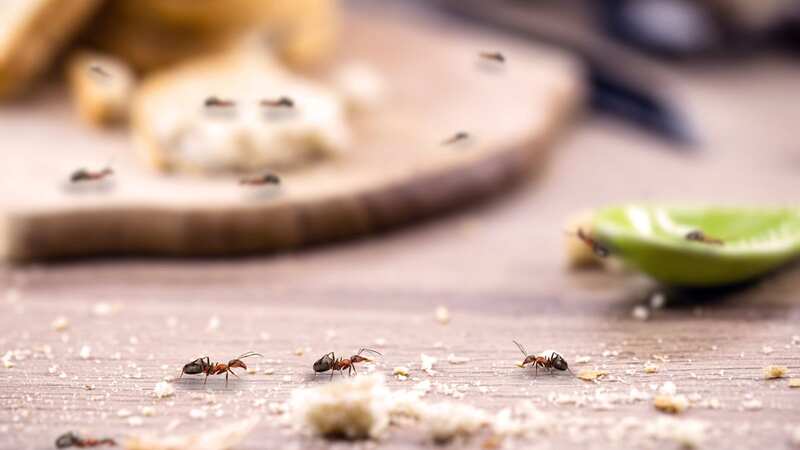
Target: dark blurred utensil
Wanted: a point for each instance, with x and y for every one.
(621, 81)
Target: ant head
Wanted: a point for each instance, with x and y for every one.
(559, 362)
(695, 235)
(529, 359)
(66, 440)
(78, 175)
(194, 367)
(324, 364)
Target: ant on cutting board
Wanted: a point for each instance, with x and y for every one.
(699, 236)
(83, 174)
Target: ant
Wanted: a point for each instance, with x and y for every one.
(548, 359)
(493, 56)
(330, 362)
(83, 174)
(260, 180)
(699, 236)
(70, 439)
(214, 101)
(284, 102)
(204, 365)
(597, 248)
(99, 71)
(460, 136)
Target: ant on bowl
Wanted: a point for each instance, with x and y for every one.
(216, 102)
(204, 365)
(548, 359)
(332, 363)
(699, 236)
(458, 137)
(280, 102)
(493, 56)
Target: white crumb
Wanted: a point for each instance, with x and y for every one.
(148, 411)
(380, 342)
(582, 359)
(85, 352)
(286, 378)
(213, 324)
(268, 371)
(688, 432)
(524, 420)
(218, 438)
(103, 309)
(7, 360)
(135, 421)
(673, 404)
(445, 421)
(640, 313)
(767, 349)
(356, 408)
(360, 85)
(668, 388)
(427, 363)
(752, 404)
(123, 412)
(423, 387)
(163, 389)
(453, 359)
(442, 315)
(60, 323)
(197, 413)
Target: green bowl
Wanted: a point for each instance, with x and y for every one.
(653, 239)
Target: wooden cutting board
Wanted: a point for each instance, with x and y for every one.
(398, 171)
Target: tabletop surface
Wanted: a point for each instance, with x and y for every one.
(498, 268)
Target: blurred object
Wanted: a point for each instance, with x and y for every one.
(154, 33)
(687, 28)
(700, 246)
(395, 172)
(621, 82)
(31, 33)
(101, 87)
(177, 129)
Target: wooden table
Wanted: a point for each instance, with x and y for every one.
(498, 268)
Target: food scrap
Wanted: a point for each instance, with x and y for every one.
(771, 372)
(442, 315)
(591, 375)
(672, 404)
(219, 438)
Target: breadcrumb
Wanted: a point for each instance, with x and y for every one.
(219, 438)
(453, 359)
(771, 372)
(427, 363)
(672, 404)
(442, 315)
(401, 372)
(752, 404)
(640, 312)
(445, 421)
(60, 323)
(591, 375)
(356, 408)
(650, 367)
(163, 389)
(794, 382)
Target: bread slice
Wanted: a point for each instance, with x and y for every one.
(31, 33)
(101, 87)
(175, 130)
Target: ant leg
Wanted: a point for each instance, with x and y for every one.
(354, 370)
(206, 378)
(332, 370)
(536, 370)
(226, 378)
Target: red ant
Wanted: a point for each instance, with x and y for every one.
(285, 102)
(494, 56)
(204, 365)
(99, 71)
(597, 248)
(460, 136)
(330, 362)
(260, 180)
(214, 101)
(548, 359)
(87, 175)
(71, 439)
(699, 236)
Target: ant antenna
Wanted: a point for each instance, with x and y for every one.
(521, 348)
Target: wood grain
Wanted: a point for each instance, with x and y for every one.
(397, 171)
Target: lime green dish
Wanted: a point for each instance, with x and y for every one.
(653, 239)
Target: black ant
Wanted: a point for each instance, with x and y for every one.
(70, 439)
(214, 101)
(597, 248)
(548, 359)
(460, 136)
(260, 180)
(699, 236)
(204, 365)
(88, 175)
(330, 362)
(493, 56)
(99, 71)
(284, 102)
